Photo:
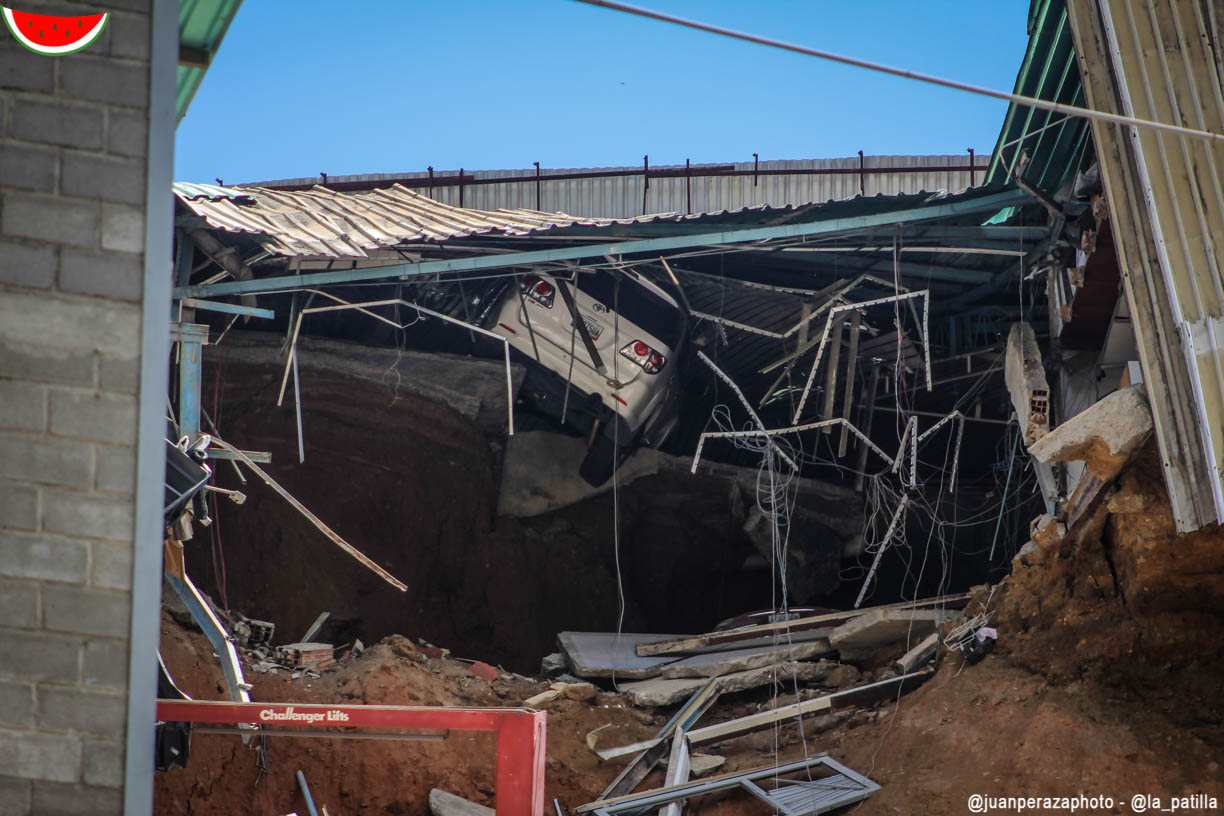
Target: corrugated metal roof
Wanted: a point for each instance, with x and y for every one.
(211, 192)
(1055, 142)
(621, 196)
(202, 26)
(323, 223)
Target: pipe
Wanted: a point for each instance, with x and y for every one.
(310, 806)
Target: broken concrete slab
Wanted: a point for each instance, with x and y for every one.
(918, 655)
(607, 654)
(885, 626)
(1026, 382)
(553, 664)
(1104, 436)
(810, 626)
(702, 764)
(715, 664)
(660, 692)
(442, 803)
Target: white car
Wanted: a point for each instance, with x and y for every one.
(614, 337)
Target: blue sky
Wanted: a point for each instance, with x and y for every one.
(398, 86)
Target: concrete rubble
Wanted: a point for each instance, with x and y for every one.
(1104, 436)
(661, 692)
(442, 803)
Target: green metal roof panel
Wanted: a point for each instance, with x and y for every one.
(202, 25)
(1055, 143)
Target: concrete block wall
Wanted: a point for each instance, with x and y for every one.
(73, 146)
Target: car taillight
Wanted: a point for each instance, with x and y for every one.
(651, 361)
(539, 290)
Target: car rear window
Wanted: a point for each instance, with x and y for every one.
(635, 303)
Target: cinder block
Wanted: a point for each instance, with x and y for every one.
(18, 507)
(110, 274)
(129, 35)
(116, 469)
(103, 763)
(87, 611)
(76, 800)
(62, 708)
(70, 324)
(58, 220)
(112, 565)
(33, 656)
(28, 168)
(56, 367)
(51, 461)
(25, 265)
(20, 70)
(19, 603)
(94, 176)
(100, 417)
(24, 406)
(122, 228)
(56, 122)
(103, 80)
(16, 704)
(14, 796)
(119, 375)
(49, 558)
(85, 516)
(127, 133)
(106, 663)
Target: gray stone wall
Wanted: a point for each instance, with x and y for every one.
(73, 142)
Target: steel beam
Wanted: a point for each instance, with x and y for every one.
(227, 308)
(231, 666)
(191, 337)
(832, 226)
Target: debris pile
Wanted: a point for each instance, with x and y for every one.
(828, 662)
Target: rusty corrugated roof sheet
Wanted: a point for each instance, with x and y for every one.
(323, 222)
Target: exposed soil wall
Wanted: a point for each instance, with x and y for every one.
(412, 483)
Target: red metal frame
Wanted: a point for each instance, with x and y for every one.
(520, 734)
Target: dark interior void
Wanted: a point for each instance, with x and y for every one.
(413, 484)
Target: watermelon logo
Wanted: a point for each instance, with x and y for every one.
(51, 35)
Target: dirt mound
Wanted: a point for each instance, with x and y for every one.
(356, 776)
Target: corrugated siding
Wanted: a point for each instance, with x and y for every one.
(621, 196)
(1166, 196)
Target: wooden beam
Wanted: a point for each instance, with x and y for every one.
(767, 629)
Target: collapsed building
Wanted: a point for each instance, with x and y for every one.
(859, 404)
(853, 501)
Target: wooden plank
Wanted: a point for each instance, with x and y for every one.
(763, 630)
(766, 719)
